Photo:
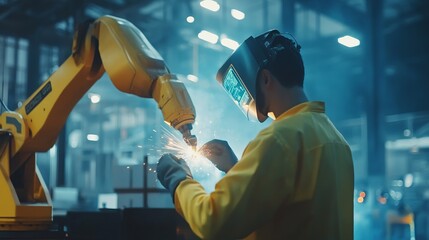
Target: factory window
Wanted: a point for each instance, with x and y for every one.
(48, 61)
(13, 67)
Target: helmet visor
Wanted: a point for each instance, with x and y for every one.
(237, 90)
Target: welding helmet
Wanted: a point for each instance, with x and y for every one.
(239, 74)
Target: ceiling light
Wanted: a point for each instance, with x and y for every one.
(190, 19)
(95, 98)
(192, 78)
(92, 137)
(210, 5)
(229, 43)
(408, 180)
(349, 41)
(237, 14)
(208, 36)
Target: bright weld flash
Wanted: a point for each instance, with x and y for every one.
(191, 152)
(202, 169)
(175, 145)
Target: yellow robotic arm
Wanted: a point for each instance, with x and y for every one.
(108, 44)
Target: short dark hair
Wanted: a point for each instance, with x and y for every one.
(286, 62)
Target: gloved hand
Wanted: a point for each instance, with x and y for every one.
(171, 171)
(219, 153)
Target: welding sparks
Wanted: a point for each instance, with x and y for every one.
(168, 140)
(178, 146)
(201, 167)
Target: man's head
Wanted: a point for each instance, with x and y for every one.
(268, 55)
(284, 60)
(282, 70)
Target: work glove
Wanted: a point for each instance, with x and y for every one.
(219, 153)
(171, 171)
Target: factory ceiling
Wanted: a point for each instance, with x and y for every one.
(25, 17)
(317, 23)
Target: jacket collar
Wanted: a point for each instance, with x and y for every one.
(315, 106)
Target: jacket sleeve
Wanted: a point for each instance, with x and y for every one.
(246, 197)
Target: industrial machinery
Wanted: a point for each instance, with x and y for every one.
(107, 44)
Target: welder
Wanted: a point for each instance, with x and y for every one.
(294, 180)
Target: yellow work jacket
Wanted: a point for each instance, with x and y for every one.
(294, 181)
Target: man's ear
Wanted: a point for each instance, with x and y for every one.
(267, 77)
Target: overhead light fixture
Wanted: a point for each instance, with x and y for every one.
(210, 5)
(237, 14)
(92, 137)
(208, 36)
(192, 78)
(229, 43)
(349, 41)
(408, 143)
(95, 98)
(190, 19)
(408, 180)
